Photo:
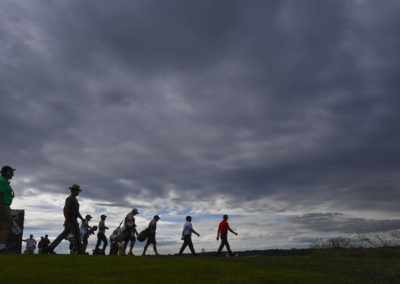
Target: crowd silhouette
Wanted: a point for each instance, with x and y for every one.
(78, 234)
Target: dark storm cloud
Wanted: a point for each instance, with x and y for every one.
(293, 100)
(340, 223)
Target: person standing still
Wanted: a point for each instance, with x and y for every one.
(45, 242)
(6, 198)
(222, 232)
(187, 236)
(151, 239)
(71, 213)
(30, 245)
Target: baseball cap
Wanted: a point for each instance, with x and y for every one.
(6, 169)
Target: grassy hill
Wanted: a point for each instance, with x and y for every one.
(321, 266)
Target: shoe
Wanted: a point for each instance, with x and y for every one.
(130, 254)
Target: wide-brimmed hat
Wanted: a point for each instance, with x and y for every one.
(76, 187)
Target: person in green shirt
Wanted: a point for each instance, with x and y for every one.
(6, 198)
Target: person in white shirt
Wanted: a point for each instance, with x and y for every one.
(187, 236)
(85, 231)
(30, 245)
(101, 237)
(129, 232)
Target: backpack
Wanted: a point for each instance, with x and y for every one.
(143, 235)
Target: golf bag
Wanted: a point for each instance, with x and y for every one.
(143, 235)
(114, 245)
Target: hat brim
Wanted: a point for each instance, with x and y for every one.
(74, 188)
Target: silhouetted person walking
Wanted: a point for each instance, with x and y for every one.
(130, 232)
(6, 198)
(101, 237)
(85, 231)
(223, 229)
(151, 239)
(187, 236)
(71, 213)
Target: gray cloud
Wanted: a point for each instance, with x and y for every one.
(293, 101)
(340, 223)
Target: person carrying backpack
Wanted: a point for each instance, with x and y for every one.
(151, 239)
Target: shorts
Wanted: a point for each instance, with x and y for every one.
(151, 239)
(6, 220)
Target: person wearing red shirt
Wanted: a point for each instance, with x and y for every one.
(223, 229)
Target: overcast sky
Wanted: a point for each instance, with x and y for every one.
(283, 114)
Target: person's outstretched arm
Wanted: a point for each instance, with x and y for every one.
(232, 231)
(193, 231)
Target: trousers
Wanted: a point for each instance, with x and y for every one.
(101, 237)
(70, 226)
(224, 242)
(187, 241)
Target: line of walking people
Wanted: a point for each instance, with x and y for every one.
(78, 235)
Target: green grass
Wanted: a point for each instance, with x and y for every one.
(321, 267)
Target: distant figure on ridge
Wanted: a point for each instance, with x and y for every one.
(223, 232)
(151, 239)
(71, 213)
(30, 245)
(6, 198)
(187, 236)
(101, 237)
(45, 243)
(40, 245)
